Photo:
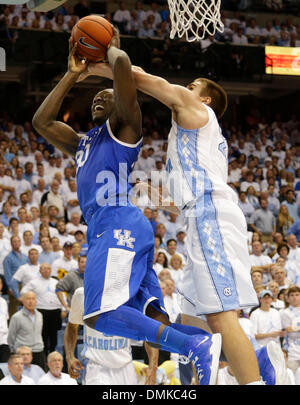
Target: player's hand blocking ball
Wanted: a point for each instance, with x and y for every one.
(92, 34)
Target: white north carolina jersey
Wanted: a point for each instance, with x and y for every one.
(107, 351)
(197, 162)
(217, 275)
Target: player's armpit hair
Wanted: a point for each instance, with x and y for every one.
(218, 95)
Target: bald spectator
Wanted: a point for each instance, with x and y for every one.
(294, 252)
(263, 222)
(47, 304)
(280, 278)
(15, 376)
(53, 197)
(55, 376)
(25, 329)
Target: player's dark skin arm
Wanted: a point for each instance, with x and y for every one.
(45, 121)
(126, 121)
(70, 339)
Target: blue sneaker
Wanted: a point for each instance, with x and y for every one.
(272, 365)
(205, 354)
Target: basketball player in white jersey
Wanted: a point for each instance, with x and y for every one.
(217, 279)
(108, 358)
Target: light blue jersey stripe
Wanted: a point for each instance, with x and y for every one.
(210, 237)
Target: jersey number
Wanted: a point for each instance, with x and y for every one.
(82, 155)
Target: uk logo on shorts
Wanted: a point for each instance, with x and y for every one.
(124, 239)
(227, 291)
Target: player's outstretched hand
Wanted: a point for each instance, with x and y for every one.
(75, 64)
(115, 41)
(74, 367)
(102, 69)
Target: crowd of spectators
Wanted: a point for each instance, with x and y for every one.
(154, 22)
(43, 235)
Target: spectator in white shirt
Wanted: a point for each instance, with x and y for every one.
(266, 321)
(6, 183)
(27, 243)
(20, 183)
(145, 163)
(250, 182)
(290, 318)
(71, 199)
(170, 301)
(53, 198)
(154, 12)
(172, 250)
(23, 224)
(294, 253)
(63, 235)
(140, 12)
(26, 272)
(75, 225)
(39, 173)
(239, 38)
(122, 17)
(268, 31)
(5, 247)
(39, 192)
(252, 30)
(15, 376)
(55, 376)
(274, 288)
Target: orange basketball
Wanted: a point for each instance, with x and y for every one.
(92, 34)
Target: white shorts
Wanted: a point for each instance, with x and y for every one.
(98, 375)
(217, 276)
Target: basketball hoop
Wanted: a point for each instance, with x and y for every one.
(195, 18)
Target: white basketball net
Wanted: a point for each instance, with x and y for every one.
(195, 18)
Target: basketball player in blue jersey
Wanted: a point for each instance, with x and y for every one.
(217, 280)
(122, 296)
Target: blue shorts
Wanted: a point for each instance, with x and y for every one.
(119, 262)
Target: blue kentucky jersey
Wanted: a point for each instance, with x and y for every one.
(104, 164)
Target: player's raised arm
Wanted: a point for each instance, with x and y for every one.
(169, 94)
(127, 108)
(45, 121)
